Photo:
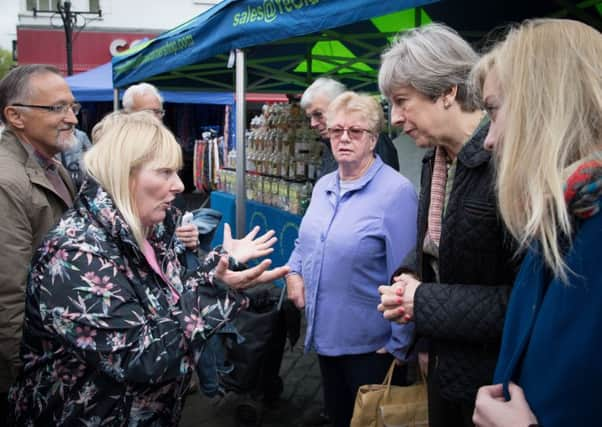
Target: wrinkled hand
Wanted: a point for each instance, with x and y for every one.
(249, 277)
(397, 300)
(295, 290)
(188, 235)
(492, 409)
(248, 247)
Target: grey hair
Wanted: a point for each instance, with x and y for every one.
(139, 89)
(14, 87)
(431, 59)
(323, 86)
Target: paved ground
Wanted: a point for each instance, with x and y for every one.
(302, 393)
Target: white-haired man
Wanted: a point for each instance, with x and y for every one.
(143, 96)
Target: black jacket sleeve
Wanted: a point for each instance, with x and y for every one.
(472, 313)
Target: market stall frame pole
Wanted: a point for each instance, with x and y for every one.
(115, 99)
(241, 120)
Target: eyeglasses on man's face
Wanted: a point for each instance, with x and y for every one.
(354, 133)
(57, 109)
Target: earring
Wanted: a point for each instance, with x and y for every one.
(446, 105)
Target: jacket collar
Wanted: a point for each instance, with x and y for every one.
(473, 153)
(94, 200)
(24, 154)
(332, 186)
(100, 204)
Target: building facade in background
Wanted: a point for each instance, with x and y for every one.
(108, 27)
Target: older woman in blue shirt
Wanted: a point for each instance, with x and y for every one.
(360, 224)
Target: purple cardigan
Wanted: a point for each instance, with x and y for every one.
(347, 247)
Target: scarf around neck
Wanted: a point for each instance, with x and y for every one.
(583, 188)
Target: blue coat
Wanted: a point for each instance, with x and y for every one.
(552, 340)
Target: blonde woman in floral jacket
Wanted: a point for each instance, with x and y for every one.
(113, 331)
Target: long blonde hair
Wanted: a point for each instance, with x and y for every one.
(550, 74)
(122, 144)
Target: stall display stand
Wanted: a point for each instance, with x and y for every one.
(284, 223)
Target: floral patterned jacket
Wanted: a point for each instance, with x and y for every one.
(105, 341)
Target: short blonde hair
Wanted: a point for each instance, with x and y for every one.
(550, 75)
(364, 104)
(124, 143)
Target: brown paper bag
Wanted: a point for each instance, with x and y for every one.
(384, 405)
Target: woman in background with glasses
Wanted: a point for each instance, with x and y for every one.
(360, 224)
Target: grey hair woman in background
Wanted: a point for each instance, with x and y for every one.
(456, 286)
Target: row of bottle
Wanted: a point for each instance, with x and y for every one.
(303, 166)
(290, 196)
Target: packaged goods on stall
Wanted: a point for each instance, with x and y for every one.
(283, 155)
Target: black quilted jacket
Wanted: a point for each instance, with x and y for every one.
(463, 315)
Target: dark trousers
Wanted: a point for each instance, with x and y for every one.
(444, 412)
(343, 375)
(3, 406)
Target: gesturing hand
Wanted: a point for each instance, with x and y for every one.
(250, 276)
(248, 247)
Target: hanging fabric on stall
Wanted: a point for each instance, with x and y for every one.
(216, 163)
(199, 164)
(227, 112)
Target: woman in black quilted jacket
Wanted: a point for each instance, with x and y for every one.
(456, 285)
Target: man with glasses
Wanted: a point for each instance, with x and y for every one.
(315, 101)
(39, 114)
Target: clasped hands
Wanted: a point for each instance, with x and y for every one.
(246, 249)
(397, 300)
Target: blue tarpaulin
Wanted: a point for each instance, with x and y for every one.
(275, 33)
(97, 85)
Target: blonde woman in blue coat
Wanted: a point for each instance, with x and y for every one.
(542, 87)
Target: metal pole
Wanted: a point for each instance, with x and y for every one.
(69, 18)
(68, 24)
(241, 122)
(115, 99)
